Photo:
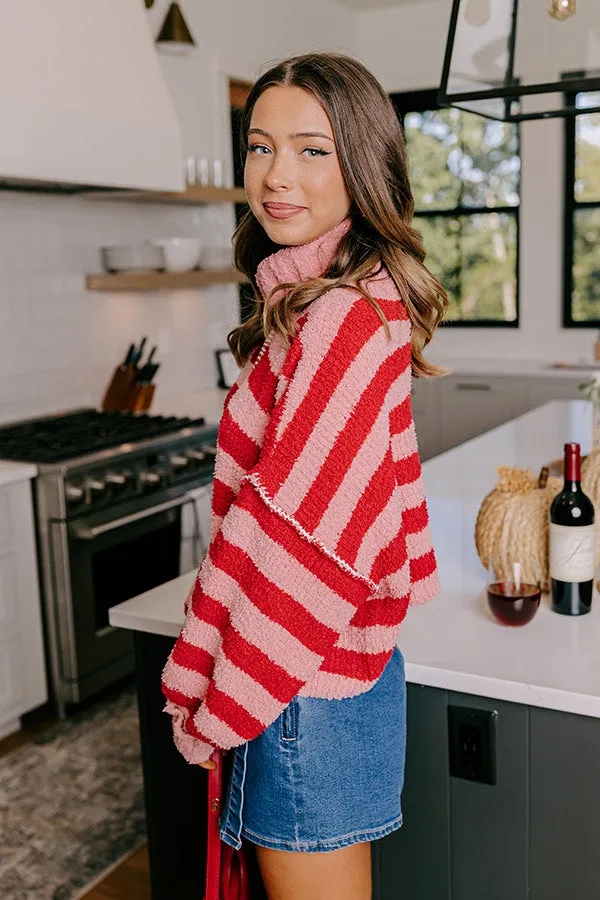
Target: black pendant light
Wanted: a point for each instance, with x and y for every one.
(175, 36)
(515, 60)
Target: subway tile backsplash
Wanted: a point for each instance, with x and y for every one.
(59, 342)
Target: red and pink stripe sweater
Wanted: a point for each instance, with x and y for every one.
(319, 535)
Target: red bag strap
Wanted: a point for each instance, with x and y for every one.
(226, 870)
(213, 842)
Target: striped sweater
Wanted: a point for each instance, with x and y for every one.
(319, 532)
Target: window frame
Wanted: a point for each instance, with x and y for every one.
(405, 102)
(571, 205)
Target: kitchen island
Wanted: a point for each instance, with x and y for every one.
(519, 708)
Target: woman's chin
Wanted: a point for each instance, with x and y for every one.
(286, 231)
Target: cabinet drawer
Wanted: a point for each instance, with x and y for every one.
(5, 536)
(426, 413)
(8, 592)
(543, 390)
(12, 685)
(471, 405)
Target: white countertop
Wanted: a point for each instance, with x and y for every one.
(453, 642)
(16, 471)
(512, 367)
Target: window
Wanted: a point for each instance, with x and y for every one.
(582, 215)
(465, 174)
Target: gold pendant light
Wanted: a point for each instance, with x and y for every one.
(175, 36)
(562, 9)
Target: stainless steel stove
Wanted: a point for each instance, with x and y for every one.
(110, 497)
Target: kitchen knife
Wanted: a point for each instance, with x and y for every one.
(139, 352)
(147, 373)
(129, 357)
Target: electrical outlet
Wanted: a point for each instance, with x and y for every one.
(472, 743)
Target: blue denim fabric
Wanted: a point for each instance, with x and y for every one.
(324, 774)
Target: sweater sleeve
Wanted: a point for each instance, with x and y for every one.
(282, 578)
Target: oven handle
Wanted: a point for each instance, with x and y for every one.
(85, 533)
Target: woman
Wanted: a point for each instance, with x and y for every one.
(320, 538)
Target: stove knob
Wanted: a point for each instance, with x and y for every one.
(116, 478)
(209, 449)
(95, 484)
(197, 455)
(178, 461)
(73, 493)
(150, 477)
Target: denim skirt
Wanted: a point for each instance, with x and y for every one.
(324, 774)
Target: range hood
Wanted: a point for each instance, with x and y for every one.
(82, 98)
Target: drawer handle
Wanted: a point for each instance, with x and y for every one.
(473, 387)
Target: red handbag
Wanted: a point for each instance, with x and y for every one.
(226, 869)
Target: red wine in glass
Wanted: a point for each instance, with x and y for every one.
(513, 605)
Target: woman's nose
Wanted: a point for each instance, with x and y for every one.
(279, 173)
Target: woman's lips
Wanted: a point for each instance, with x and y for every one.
(282, 210)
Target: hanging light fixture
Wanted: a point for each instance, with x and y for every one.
(562, 9)
(174, 35)
(514, 60)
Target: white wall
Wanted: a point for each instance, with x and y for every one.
(240, 40)
(404, 47)
(58, 342)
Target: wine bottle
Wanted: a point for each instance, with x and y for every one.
(572, 542)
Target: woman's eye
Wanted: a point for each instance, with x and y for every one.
(313, 151)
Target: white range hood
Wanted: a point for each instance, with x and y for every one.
(82, 97)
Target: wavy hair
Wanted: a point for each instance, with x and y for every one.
(372, 155)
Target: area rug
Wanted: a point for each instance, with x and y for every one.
(71, 802)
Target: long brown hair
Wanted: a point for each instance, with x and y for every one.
(372, 155)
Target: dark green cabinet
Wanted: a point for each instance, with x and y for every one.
(534, 835)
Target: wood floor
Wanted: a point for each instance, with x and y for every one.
(131, 881)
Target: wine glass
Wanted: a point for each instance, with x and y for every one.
(514, 589)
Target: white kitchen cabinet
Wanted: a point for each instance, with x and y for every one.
(426, 413)
(467, 405)
(470, 405)
(543, 390)
(22, 667)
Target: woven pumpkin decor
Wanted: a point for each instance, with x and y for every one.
(513, 524)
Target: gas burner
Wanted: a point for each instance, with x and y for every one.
(55, 439)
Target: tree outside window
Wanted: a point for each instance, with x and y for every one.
(582, 216)
(465, 175)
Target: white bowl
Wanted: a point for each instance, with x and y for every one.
(181, 254)
(132, 258)
(216, 258)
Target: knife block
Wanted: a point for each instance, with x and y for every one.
(143, 397)
(123, 394)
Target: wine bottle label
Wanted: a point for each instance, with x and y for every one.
(572, 552)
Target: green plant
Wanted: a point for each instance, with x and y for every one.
(591, 391)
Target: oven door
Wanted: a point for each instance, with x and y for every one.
(111, 558)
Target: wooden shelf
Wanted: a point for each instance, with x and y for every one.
(162, 281)
(193, 195)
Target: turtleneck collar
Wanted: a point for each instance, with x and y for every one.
(300, 262)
